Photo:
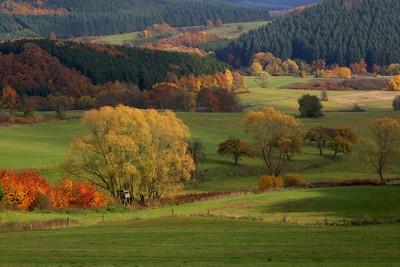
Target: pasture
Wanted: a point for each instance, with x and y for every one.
(197, 241)
(229, 31)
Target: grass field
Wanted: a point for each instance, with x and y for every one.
(203, 242)
(229, 31)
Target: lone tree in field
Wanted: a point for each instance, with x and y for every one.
(387, 138)
(140, 151)
(235, 148)
(310, 106)
(9, 99)
(277, 137)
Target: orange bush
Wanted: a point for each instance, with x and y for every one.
(293, 180)
(269, 182)
(77, 194)
(22, 189)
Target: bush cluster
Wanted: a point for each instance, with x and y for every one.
(28, 190)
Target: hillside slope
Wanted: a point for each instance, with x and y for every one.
(339, 31)
(39, 67)
(68, 18)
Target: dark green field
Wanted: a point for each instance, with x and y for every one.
(198, 241)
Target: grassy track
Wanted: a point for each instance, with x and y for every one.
(203, 242)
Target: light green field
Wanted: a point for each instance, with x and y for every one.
(203, 242)
(229, 31)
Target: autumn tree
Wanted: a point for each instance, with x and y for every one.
(9, 99)
(319, 136)
(310, 106)
(144, 152)
(276, 136)
(359, 68)
(386, 134)
(394, 83)
(256, 68)
(235, 148)
(341, 141)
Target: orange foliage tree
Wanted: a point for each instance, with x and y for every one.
(77, 194)
(394, 84)
(22, 189)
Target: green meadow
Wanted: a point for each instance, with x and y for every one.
(229, 31)
(44, 146)
(294, 227)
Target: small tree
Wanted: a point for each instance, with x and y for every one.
(310, 106)
(263, 79)
(341, 141)
(235, 148)
(59, 104)
(275, 136)
(324, 96)
(196, 150)
(396, 103)
(9, 99)
(394, 84)
(387, 139)
(256, 68)
(318, 136)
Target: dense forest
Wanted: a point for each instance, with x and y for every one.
(338, 31)
(38, 67)
(70, 18)
(274, 4)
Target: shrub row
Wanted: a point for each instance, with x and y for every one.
(28, 190)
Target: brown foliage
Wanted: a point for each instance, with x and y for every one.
(269, 182)
(293, 180)
(34, 68)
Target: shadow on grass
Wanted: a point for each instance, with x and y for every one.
(346, 202)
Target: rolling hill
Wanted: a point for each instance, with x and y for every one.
(38, 67)
(338, 31)
(99, 17)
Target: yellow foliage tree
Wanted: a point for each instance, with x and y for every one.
(127, 149)
(256, 68)
(394, 84)
(277, 137)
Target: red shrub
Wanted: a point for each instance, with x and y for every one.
(77, 194)
(21, 189)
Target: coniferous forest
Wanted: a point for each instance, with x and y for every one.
(99, 17)
(338, 31)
